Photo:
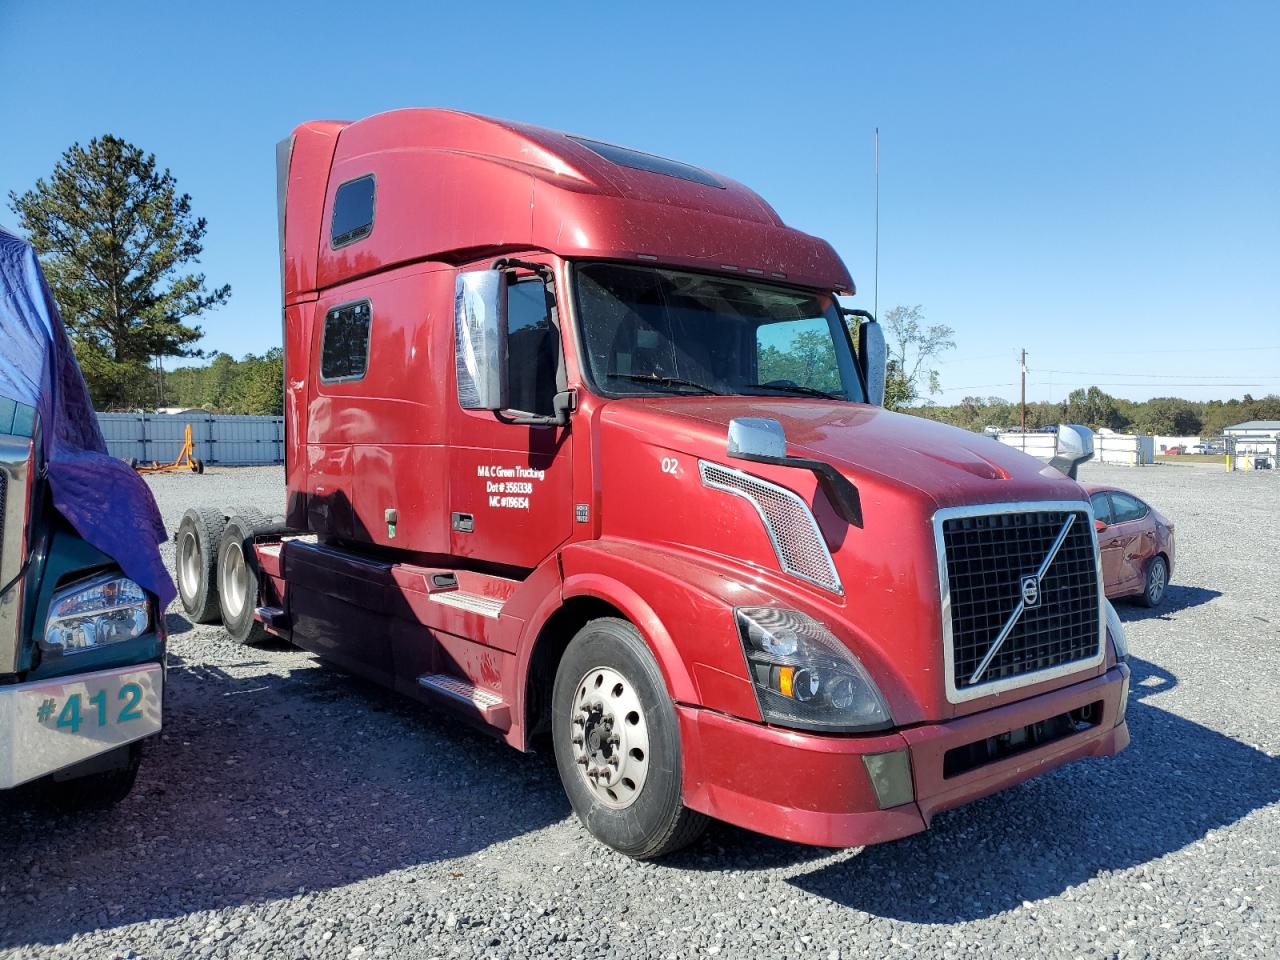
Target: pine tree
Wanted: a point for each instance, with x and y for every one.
(114, 237)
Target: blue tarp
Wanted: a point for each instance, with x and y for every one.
(103, 498)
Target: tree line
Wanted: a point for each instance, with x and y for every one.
(116, 240)
(1164, 416)
(253, 384)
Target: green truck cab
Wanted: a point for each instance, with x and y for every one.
(82, 641)
(81, 645)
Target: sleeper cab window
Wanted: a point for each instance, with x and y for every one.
(344, 352)
(352, 212)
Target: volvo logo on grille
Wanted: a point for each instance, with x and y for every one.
(1030, 592)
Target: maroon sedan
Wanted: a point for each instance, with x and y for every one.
(1136, 542)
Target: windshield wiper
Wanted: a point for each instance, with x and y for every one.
(794, 388)
(665, 381)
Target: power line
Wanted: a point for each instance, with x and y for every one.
(1119, 383)
(1161, 376)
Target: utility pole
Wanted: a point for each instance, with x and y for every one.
(1024, 390)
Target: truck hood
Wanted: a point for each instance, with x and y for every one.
(889, 605)
(946, 465)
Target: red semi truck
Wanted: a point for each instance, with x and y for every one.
(580, 447)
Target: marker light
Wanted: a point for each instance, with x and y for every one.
(804, 676)
(1116, 629)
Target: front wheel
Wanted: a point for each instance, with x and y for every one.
(111, 779)
(1156, 583)
(617, 743)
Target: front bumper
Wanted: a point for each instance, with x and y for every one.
(47, 725)
(815, 789)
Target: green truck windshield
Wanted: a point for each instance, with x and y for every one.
(655, 331)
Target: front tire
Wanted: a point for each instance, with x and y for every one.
(99, 790)
(1157, 581)
(617, 743)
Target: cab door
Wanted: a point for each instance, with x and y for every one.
(510, 490)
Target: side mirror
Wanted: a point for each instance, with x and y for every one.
(872, 358)
(1073, 447)
(480, 339)
(1099, 525)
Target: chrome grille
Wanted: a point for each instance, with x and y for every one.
(787, 519)
(985, 554)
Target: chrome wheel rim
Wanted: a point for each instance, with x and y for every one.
(189, 566)
(610, 737)
(1158, 579)
(235, 581)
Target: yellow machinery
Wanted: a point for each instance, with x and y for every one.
(186, 459)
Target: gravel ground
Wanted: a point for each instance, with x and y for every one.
(292, 811)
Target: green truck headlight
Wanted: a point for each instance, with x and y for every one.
(96, 612)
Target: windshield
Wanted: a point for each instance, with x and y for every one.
(651, 331)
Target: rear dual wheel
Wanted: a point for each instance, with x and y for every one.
(218, 569)
(238, 581)
(617, 743)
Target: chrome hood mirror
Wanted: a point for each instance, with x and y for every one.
(756, 437)
(480, 339)
(762, 440)
(1073, 447)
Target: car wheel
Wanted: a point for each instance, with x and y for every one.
(617, 743)
(1156, 582)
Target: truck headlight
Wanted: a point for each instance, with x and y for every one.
(804, 676)
(93, 613)
(1116, 629)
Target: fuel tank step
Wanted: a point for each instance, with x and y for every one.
(274, 619)
(485, 606)
(459, 694)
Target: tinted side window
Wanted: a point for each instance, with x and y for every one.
(1101, 507)
(533, 348)
(1127, 508)
(352, 212)
(344, 353)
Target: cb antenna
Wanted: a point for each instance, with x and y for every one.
(875, 307)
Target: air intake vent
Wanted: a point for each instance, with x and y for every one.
(787, 519)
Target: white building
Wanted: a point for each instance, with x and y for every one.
(1255, 436)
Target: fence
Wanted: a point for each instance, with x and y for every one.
(218, 439)
(1120, 448)
(1126, 449)
(1041, 445)
(1253, 453)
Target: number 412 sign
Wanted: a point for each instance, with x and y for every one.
(96, 710)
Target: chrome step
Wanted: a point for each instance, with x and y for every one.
(274, 619)
(487, 705)
(472, 602)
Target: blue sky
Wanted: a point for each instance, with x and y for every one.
(1098, 183)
